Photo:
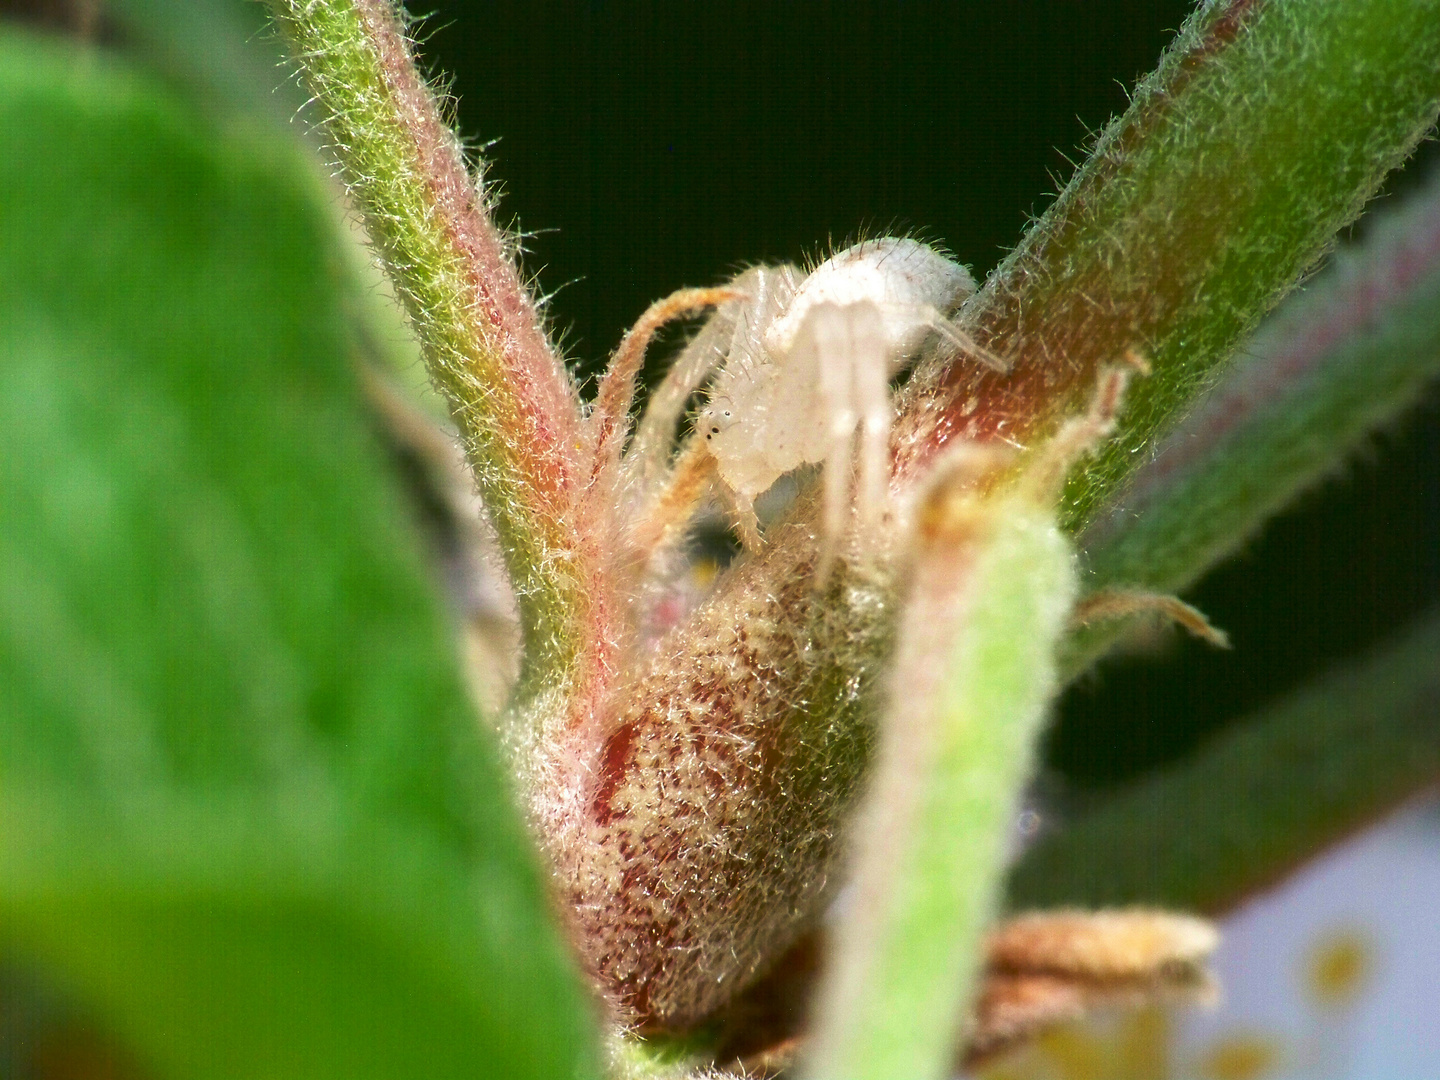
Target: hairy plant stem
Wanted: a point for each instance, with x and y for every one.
(482, 338)
(694, 807)
(1358, 346)
(1266, 127)
(1224, 181)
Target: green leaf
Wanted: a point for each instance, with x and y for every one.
(1266, 136)
(1333, 364)
(1266, 127)
(973, 673)
(516, 407)
(1261, 799)
(247, 816)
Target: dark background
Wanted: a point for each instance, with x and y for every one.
(653, 146)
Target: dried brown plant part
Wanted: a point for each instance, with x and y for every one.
(1042, 969)
(1121, 943)
(1014, 1009)
(1046, 968)
(1109, 604)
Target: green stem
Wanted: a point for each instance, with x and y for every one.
(1259, 800)
(482, 337)
(1336, 362)
(1264, 130)
(973, 674)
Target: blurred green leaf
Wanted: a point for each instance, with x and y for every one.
(247, 815)
(973, 672)
(1335, 363)
(1312, 767)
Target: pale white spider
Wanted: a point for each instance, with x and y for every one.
(801, 369)
(818, 388)
(804, 368)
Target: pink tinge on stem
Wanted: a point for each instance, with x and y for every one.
(506, 318)
(1058, 322)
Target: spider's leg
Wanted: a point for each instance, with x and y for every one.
(742, 516)
(951, 331)
(870, 383)
(836, 489)
(617, 387)
(671, 507)
(648, 457)
(730, 336)
(831, 344)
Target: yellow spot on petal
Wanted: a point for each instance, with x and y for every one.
(1010, 1071)
(1337, 968)
(703, 572)
(1246, 1056)
(1144, 1045)
(1076, 1054)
